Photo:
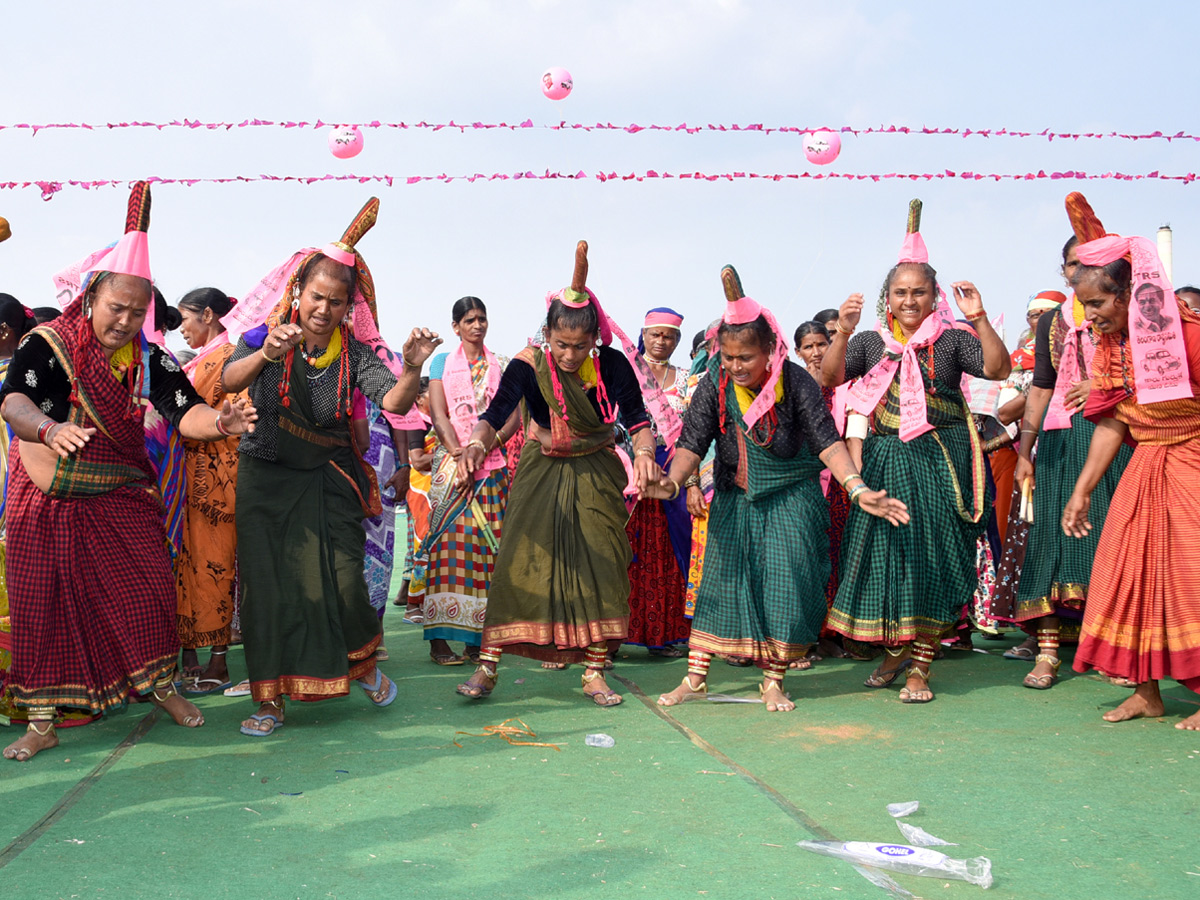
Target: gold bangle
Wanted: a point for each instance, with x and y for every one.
(692, 481)
(263, 351)
(845, 481)
(477, 443)
(841, 330)
(644, 451)
(676, 494)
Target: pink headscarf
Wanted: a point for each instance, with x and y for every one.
(742, 310)
(1160, 363)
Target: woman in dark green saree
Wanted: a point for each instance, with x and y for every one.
(303, 489)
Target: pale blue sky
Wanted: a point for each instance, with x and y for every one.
(799, 247)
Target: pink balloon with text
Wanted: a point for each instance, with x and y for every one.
(822, 147)
(345, 143)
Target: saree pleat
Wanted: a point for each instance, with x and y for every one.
(307, 622)
(561, 582)
(1058, 567)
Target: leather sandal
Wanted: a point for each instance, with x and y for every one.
(481, 683)
(606, 697)
(1043, 682)
(907, 696)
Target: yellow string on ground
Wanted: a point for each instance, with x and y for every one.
(509, 733)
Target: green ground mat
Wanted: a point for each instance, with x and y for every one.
(706, 800)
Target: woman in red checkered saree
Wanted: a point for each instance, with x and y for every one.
(91, 589)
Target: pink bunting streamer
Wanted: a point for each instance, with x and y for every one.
(609, 126)
(50, 188)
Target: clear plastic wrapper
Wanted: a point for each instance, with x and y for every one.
(920, 837)
(906, 860)
(900, 810)
(600, 740)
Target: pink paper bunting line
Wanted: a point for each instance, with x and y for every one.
(754, 128)
(50, 188)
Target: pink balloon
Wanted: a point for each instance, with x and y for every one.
(822, 147)
(556, 83)
(345, 142)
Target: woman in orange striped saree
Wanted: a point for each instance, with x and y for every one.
(1142, 620)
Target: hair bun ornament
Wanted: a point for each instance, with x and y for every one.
(5, 229)
(739, 309)
(913, 250)
(1084, 221)
(732, 284)
(579, 276)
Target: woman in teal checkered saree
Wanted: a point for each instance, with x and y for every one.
(904, 588)
(767, 558)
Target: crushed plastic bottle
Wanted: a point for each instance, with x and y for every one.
(600, 740)
(900, 810)
(905, 859)
(920, 837)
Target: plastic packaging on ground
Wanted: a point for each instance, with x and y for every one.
(906, 860)
(600, 740)
(920, 837)
(900, 810)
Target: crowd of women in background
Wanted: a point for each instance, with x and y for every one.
(878, 500)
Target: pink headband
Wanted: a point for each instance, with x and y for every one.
(662, 319)
(1102, 251)
(338, 253)
(741, 311)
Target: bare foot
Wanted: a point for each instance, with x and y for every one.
(184, 712)
(774, 697)
(30, 744)
(1191, 723)
(1146, 702)
(554, 665)
(693, 686)
(802, 663)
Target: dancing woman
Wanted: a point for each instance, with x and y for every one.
(303, 489)
(767, 558)
(90, 584)
(560, 586)
(1142, 619)
(904, 588)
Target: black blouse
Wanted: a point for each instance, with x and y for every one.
(519, 381)
(804, 420)
(1045, 373)
(956, 352)
(367, 372)
(36, 373)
